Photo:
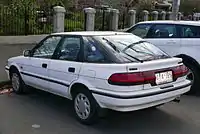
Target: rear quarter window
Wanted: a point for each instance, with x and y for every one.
(93, 53)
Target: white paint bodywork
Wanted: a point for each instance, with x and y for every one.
(177, 46)
(57, 80)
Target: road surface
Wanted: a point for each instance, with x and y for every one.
(43, 113)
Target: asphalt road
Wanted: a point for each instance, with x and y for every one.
(43, 113)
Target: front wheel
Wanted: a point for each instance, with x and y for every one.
(85, 107)
(17, 82)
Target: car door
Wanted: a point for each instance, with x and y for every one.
(190, 40)
(65, 65)
(35, 72)
(165, 37)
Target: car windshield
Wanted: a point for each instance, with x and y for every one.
(132, 48)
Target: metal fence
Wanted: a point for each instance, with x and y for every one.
(101, 19)
(123, 19)
(25, 21)
(75, 20)
(33, 21)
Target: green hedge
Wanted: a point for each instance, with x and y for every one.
(74, 21)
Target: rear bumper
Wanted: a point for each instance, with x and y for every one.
(131, 101)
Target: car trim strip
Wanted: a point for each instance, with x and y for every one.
(42, 78)
(112, 95)
(140, 95)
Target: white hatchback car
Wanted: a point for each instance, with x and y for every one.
(177, 38)
(100, 70)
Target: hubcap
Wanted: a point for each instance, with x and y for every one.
(15, 82)
(82, 106)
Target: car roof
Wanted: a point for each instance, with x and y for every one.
(92, 33)
(194, 23)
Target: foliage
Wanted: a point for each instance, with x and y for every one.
(73, 25)
(145, 5)
(189, 6)
(21, 17)
(74, 21)
(14, 15)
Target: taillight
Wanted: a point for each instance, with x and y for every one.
(132, 78)
(145, 77)
(180, 71)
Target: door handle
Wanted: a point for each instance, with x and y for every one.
(44, 65)
(71, 69)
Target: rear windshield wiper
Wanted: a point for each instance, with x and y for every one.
(130, 46)
(115, 48)
(111, 44)
(133, 44)
(133, 57)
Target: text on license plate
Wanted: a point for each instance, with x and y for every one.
(164, 77)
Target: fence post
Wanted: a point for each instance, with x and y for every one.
(155, 15)
(169, 14)
(89, 18)
(132, 16)
(59, 19)
(114, 19)
(179, 15)
(146, 15)
(163, 15)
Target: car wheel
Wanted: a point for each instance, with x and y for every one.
(194, 76)
(17, 82)
(85, 107)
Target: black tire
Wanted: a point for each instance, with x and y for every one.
(194, 76)
(14, 74)
(94, 107)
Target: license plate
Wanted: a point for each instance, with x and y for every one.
(164, 77)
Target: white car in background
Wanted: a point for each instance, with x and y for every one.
(100, 70)
(177, 38)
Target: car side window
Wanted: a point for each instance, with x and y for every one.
(47, 48)
(141, 30)
(92, 53)
(163, 31)
(69, 49)
(190, 31)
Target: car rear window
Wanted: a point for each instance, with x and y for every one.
(130, 48)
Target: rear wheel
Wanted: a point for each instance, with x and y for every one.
(194, 76)
(85, 107)
(17, 82)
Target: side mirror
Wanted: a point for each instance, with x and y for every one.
(27, 53)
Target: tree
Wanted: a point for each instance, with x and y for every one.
(146, 5)
(136, 4)
(5, 2)
(190, 6)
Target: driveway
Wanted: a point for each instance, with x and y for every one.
(43, 113)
